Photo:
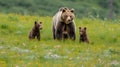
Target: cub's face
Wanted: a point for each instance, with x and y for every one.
(67, 15)
(38, 25)
(82, 30)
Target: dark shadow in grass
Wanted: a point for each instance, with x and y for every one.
(4, 26)
(113, 40)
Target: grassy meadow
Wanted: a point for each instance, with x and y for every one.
(16, 50)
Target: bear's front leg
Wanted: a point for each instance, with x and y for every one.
(58, 34)
(58, 30)
(72, 35)
(38, 36)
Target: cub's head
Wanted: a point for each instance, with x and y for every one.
(67, 15)
(38, 25)
(82, 31)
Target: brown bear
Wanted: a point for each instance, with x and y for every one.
(65, 34)
(83, 35)
(35, 32)
(64, 18)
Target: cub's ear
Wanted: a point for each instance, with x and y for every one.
(40, 22)
(72, 10)
(35, 22)
(85, 28)
(79, 27)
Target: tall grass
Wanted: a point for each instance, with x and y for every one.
(16, 50)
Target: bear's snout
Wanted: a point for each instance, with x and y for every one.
(68, 19)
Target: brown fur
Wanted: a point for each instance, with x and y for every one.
(83, 35)
(65, 34)
(64, 19)
(35, 32)
(67, 15)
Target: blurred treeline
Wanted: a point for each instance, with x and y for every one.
(83, 8)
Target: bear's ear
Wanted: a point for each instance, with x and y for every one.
(85, 28)
(79, 27)
(40, 22)
(63, 10)
(72, 10)
(35, 22)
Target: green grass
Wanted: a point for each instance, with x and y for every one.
(16, 50)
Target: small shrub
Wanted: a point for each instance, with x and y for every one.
(4, 26)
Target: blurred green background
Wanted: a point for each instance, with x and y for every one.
(83, 8)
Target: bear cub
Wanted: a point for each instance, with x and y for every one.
(35, 32)
(83, 35)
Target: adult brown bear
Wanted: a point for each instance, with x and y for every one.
(64, 18)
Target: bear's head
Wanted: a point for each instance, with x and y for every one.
(38, 25)
(67, 15)
(82, 31)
